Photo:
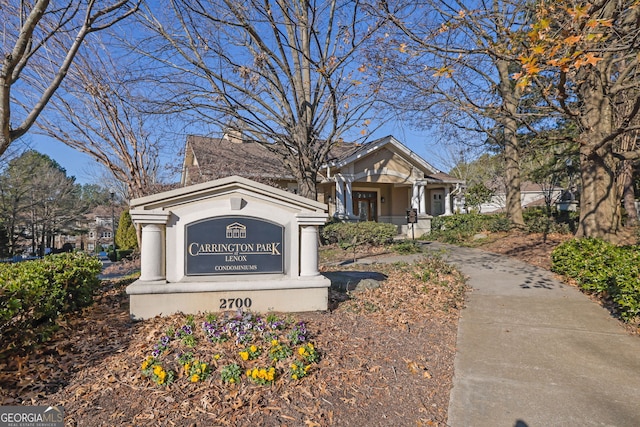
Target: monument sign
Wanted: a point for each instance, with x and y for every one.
(227, 244)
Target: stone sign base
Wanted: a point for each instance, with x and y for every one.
(149, 299)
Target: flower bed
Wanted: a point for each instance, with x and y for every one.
(231, 348)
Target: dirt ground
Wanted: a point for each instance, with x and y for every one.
(386, 359)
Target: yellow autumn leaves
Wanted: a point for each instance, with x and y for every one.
(563, 37)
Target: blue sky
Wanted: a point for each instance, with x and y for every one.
(77, 164)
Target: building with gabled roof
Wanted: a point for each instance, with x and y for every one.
(376, 181)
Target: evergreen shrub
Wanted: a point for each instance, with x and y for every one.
(541, 220)
(347, 234)
(460, 227)
(126, 233)
(602, 268)
(34, 293)
(407, 247)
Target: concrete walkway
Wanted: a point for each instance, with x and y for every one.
(534, 352)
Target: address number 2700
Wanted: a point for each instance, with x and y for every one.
(231, 303)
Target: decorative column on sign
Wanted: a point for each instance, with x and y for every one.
(309, 242)
(152, 250)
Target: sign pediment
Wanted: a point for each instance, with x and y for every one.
(226, 187)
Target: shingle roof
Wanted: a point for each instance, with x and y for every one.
(220, 157)
(444, 177)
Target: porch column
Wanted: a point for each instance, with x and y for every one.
(152, 246)
(447, 200)
(339, 196)
(308, 254)
(415, 197)
(423, 206)
(348, 198)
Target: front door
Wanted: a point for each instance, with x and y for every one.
(365, 205)
(437, 207)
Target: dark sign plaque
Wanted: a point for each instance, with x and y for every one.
(233, 245)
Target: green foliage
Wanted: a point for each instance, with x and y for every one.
(478, 194)
(94, 195)
(498, 223)
(123, 254)
(485, 168)
(603, 268)
(34, 293)
(435, 269)
(126, 238)
(540, 220)
(37, 195)
(348, 234)
(459, 228)
(407, 247)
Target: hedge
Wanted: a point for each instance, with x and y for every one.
(460, 227)
(348, 234)
(34, 293)
(604, 269)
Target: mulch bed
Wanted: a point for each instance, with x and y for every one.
(386, 360)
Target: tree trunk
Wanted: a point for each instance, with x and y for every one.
(511, 96)
(628, 194)
(599, 199)
(600, 209)
(512, 172)
(307, 185)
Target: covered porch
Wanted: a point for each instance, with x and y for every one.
(381, 198)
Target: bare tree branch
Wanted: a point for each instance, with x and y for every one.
(45, 41)
(282, 73)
